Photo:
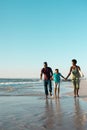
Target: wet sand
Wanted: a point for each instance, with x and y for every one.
(37, 113)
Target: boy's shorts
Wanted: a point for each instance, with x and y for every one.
(56, 85)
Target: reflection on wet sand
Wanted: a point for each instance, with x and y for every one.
(49, 115)
(66, 114)
(31, 113)
(80, 117)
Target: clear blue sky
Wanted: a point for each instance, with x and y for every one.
(34, 31)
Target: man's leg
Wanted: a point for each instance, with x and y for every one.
(50, 87)
(46, 88)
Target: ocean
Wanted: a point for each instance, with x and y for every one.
(27, 87)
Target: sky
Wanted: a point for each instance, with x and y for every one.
(34, 31)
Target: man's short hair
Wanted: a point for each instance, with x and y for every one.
(45, 63)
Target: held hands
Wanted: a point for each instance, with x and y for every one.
(51, 78)
(65, 78)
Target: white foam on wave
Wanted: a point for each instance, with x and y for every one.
(11, 83)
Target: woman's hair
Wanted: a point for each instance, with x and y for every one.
(74, 61)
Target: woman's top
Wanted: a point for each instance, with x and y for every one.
(75, 73)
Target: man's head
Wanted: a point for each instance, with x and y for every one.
(45, 64)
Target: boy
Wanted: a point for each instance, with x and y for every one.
(56, 78)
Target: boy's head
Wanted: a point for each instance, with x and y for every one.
(56, 71)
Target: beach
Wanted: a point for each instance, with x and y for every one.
(31, 111)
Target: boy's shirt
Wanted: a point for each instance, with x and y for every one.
(56, 77)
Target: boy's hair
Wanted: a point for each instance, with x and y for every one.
(56, 70)
(74, 61)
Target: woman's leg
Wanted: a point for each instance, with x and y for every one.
(77, 87)
(74, 85)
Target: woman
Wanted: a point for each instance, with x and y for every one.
(75, 76)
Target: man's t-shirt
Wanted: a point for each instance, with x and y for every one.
(47, 73)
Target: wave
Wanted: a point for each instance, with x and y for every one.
(19, 81)
(10, 83)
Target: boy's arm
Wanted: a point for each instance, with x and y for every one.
(62, 76)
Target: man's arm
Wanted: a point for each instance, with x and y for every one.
(51, 72)
(41, 74)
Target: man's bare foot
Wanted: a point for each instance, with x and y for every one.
(50, 94)
(46, 96)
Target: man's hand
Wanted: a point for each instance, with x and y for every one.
(40, 77)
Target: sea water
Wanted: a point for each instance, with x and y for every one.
(25, 87)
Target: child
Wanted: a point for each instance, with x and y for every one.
(56, 78)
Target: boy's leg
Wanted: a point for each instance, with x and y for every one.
(55, 89)
(58, 86)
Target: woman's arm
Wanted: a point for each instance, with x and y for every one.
(69, 72)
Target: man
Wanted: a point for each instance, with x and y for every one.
(47, 72)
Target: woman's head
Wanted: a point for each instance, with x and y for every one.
(74, 61)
